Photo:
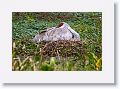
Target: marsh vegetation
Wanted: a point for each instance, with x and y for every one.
(84, 55)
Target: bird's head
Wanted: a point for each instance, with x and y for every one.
(63, 25)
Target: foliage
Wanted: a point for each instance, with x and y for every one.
(26, 55)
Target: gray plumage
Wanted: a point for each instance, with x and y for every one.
(62, 32)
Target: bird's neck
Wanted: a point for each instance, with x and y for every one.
(73, 32)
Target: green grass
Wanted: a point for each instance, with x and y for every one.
(26, 55)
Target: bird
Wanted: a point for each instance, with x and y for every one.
(62, 31)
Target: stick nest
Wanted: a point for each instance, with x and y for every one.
(61, 48)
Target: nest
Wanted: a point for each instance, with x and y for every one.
(61, 48)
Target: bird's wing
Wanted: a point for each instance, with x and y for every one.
(63, 34)
(46, 30)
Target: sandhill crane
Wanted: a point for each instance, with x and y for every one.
(61, 32)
